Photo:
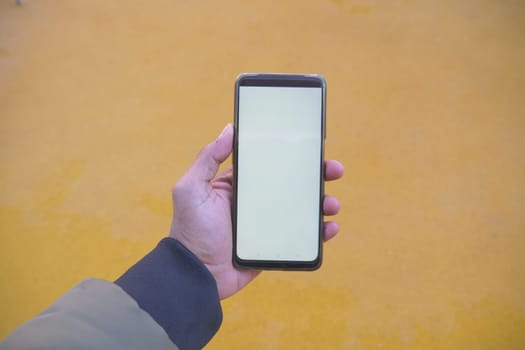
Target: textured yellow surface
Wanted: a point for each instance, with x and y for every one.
(103, 105)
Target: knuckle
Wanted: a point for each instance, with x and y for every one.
(179, 189)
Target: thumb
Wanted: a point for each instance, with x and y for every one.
(209, 159)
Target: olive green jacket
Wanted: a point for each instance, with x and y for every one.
(95, 314)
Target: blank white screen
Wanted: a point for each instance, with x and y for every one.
(278, 176)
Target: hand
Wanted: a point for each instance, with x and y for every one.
(202, 213)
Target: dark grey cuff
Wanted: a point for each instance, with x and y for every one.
(178, 291)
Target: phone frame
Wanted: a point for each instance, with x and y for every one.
(278, 80)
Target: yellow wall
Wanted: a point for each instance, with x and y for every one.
(103, 105)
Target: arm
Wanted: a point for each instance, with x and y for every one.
(167, 298)
(171, 296)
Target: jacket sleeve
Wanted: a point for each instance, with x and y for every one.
(167, 301)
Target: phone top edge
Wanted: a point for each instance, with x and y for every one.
(281, 79)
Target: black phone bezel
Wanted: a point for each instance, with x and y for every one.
(278, 80)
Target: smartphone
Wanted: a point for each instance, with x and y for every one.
(278, 171)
